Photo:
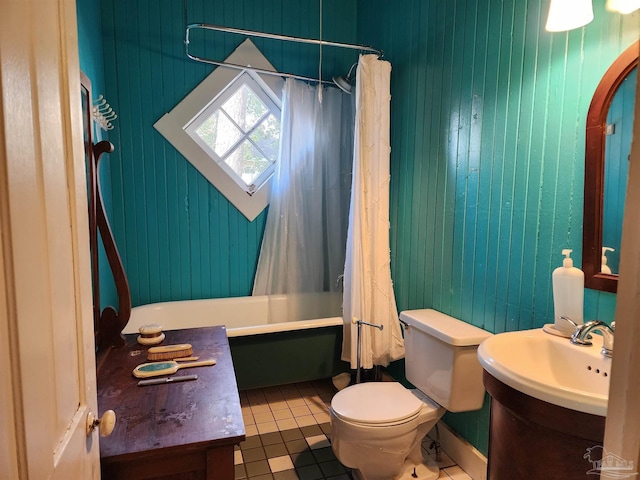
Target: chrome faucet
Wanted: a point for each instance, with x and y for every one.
(571, 328)
(580, 336)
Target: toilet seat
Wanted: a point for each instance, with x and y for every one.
(377, 404)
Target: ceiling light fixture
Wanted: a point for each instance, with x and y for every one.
(569, 14)
(623, 6)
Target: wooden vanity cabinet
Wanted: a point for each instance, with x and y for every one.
(530, 439)
(185, 430)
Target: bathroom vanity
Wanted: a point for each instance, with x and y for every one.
(533, 439)
(184, 430)
(549, 401)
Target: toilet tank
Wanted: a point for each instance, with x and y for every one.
(441, 358)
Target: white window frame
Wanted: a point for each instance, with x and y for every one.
(173, 126)
(254, 83)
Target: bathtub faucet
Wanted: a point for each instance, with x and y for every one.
(340, 280)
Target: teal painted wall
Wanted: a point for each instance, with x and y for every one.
(488, 117)
(91, 63)
(178, 236)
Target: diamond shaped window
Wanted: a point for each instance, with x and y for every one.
(228, 128)
(240, 130)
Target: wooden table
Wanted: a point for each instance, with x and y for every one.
(184, 430)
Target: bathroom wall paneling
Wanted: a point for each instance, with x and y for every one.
(178, 236)
(487, 162)
(488, 115)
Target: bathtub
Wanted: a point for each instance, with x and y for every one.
(274, 339)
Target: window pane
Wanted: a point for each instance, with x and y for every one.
(267, 137)
(245, 108)
(248, 162)
(219, 133)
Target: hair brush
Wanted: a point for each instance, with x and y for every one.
(169, 352)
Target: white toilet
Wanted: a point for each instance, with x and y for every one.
(377, 428)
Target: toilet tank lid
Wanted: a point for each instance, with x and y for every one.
(448, 329)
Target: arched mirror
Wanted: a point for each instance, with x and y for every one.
(608, 145)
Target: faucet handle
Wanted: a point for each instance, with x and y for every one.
(568, 320)
(571, 323)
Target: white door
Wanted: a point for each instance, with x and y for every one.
(47, 383)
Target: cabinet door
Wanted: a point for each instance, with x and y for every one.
(47, 385)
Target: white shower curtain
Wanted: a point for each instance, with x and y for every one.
(303, 249)
(368, 289)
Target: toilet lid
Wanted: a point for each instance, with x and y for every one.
(375, 403)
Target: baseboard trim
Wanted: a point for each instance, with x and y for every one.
(469, 458)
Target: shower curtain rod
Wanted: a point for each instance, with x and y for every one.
(252, 33)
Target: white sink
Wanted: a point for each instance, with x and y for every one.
(550, 368)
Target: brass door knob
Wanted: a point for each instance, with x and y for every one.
(105, 424)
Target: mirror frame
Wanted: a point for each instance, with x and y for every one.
(594, 170)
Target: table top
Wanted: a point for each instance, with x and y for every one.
(203, 413)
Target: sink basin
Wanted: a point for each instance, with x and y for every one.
(550, 368)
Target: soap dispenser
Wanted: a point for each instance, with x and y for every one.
(568, 295)
(604, 268)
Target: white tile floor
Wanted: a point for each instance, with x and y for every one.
(288, 436)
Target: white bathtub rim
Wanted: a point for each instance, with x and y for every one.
(248, 315)
(284, 327)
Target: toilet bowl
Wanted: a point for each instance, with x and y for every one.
(377, 428)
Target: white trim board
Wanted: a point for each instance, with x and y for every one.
(171, 126)
(469, 458)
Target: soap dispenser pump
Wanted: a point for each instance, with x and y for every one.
(604, 268)
(568, 295)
